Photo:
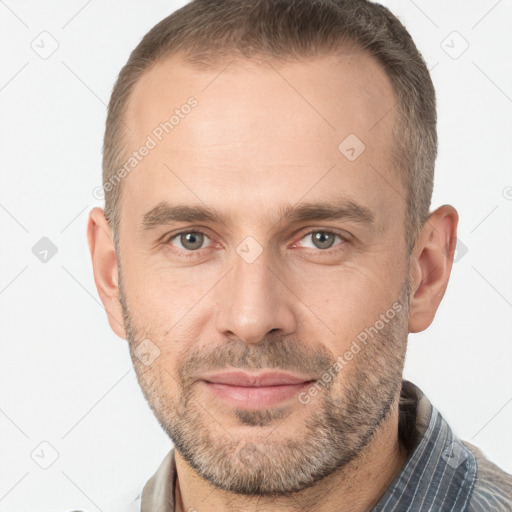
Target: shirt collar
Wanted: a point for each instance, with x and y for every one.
(158, 493)
(439, 474)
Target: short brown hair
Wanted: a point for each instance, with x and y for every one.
(208, 32)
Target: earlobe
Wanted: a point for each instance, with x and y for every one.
(104, 262)
(430, 266)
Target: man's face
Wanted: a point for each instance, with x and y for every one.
(260, 288)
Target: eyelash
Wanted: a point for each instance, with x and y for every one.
(191, 254)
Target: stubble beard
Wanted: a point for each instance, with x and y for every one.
(341, 421)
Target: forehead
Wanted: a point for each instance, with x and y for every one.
(243, 132)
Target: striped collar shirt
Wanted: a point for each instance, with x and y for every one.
(442, 473)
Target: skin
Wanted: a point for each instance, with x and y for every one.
(264, 136)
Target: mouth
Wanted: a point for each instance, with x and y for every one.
(255, 391)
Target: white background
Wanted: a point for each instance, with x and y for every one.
(66, 379)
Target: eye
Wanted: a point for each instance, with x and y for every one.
(188, 240)
(193, 240)
(322, 239)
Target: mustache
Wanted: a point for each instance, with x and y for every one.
(272, 353)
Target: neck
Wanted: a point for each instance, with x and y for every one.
(356, 487)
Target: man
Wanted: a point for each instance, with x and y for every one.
(267, 246)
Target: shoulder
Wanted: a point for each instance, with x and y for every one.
(493, 486)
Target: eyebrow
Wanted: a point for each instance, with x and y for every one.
(165, 213)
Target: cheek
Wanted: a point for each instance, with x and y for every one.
(160, 296)
(345, 300)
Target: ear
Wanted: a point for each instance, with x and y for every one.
(104, 263)
(430, 266)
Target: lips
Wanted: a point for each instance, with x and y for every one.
(255, 391)
(256, 380)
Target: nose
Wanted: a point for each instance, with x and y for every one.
(253, 301)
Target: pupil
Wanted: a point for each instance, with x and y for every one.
(192, 240)
(323, 240)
